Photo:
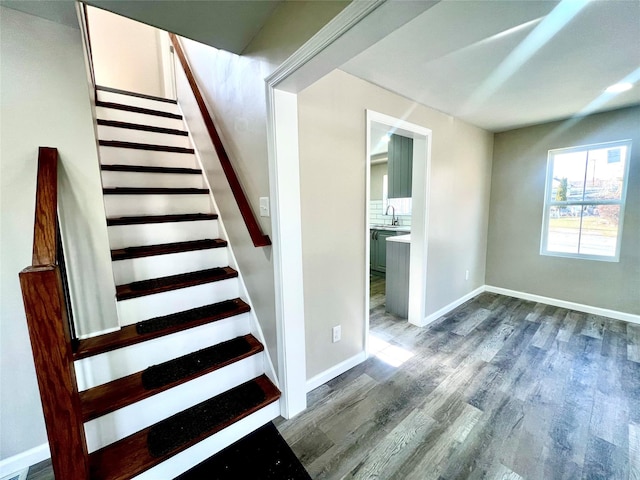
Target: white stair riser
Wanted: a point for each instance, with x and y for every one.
(103, 368)
(122, 236)
(132, 205)
(143, 308)
(128, 420)
(144, 179)
(146, 158)
(137, 101)
(192, 456)
(145, 268)
(107, 113)
(140, 136)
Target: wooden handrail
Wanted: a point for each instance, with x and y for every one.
(49, 331)
(259, 239)
(44, 225)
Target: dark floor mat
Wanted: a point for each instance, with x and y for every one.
(261, 455)
(163, 374)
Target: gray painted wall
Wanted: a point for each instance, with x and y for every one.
(515, 222)
(331, 118)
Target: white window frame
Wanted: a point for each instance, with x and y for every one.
(548, 203)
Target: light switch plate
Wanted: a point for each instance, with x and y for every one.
(264, 207)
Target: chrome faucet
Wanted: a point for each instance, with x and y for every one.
(394, 220)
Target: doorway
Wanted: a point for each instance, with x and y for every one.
(397, 216)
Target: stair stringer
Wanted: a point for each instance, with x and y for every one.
(255, 327)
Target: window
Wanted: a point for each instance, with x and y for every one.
(584, 201)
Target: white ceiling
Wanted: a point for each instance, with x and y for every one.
(223, 24)
(506, 64)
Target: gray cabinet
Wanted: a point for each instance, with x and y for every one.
(397, 279)
(378, 253)
(400, 165)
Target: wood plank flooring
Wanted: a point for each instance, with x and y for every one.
(499, 388)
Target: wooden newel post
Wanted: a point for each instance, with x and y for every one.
(51, 344)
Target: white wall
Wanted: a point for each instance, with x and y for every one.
(332, 171)
(234, 89)
(45, 102)
(127, 54)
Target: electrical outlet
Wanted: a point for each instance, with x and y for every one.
(337, 333)
(264, 206)
(466, 275)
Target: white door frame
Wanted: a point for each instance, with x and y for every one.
(419, 215)
(358, 26)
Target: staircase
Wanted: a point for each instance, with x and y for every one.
(186, 374)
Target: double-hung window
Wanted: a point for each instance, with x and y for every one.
(584, 201)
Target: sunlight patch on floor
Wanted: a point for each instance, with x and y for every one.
(390, 354)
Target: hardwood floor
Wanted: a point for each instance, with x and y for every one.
(500, 388)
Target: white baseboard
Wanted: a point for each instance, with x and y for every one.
(336, 370)
(447, 308)
(24, 460)
(626, 317)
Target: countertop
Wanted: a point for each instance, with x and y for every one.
(391, 228)
(400, 239)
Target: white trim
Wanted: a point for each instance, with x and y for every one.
(327, 35)
(548, 203)
(286, 233)
(24, 460)
(447, 308)
(20, 475)
(625, 317)
(336, 370)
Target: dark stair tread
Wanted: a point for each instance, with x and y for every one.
(142, 127)
(153, 191)
(159, 327)
(145, 146)
(173, 282)
(271, 459)
(144, 219)
(131, 108)
(124, 391)
(135, 94)
(131, 455)
(138, 168)
(166, 248)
